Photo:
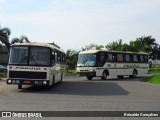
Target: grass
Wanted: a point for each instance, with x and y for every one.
(3, 75)
(71, 72)
(153, 79)
(155, 69)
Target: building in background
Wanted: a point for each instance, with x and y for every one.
(4, 55)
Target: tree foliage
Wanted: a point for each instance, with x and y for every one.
(115, 46)
(22, 39)
(141, 44)
(92, 46)
(71, 56)
(4, 38)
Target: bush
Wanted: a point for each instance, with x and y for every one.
(3, 75)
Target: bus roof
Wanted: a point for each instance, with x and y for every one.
(49, 45)
(95, 51)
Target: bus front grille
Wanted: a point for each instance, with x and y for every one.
(26, 74)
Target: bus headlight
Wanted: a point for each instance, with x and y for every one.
(9, 81)
(44, 83)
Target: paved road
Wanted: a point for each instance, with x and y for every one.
(79, 94)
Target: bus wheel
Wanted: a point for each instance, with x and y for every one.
(104, 76)
(19, 86)
(120, 76)
(53, 80)
(89, 77)
(134, 74)
(61, 78)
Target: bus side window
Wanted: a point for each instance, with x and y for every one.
(102, 60)
(63, 57)
(110, 57)
(138, 58)
(119, 57)
(135, 59)
(106, 57)
(127, 58)
(55, 53)
(141, 58)
(114, 56)
(146, 58)
(59, 57)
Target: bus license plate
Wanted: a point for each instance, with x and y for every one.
(26, 82)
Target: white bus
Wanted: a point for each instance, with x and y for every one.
(102, 63)
(35, 64)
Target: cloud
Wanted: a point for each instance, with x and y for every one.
(76, 23)
(2, 1)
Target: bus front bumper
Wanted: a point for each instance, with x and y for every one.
(28, 82)
(93, 74)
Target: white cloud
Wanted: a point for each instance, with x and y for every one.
(2, 1)
(74, 24)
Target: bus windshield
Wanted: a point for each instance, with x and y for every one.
(23, 55)
(86, 60)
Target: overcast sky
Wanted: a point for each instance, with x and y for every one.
(72, 24)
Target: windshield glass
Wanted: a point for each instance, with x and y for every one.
(39, 56)
(36, 56)
(18, 55)
(86, 60)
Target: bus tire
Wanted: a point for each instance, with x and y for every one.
(134, 74)
(104, 75)
(89, 77)
(120, 76)
(53, 80)
(61, 78)
(19, 86)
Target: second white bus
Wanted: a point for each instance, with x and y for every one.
(102, 63)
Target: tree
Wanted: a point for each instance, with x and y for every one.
(125, 47)
(92, 46)
(22, 39)
(99, 47)
(146, 43)
(115, 46)
(4, 37)
(155, 54)
(135, 46)
(71, 57)
(89, 47)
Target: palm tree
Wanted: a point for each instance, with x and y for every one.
(4, 36)
(22, 39)
(146, 43)
(115, 46)
(89, 47)
(99, 47)
(71, 57)
(135, 46)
